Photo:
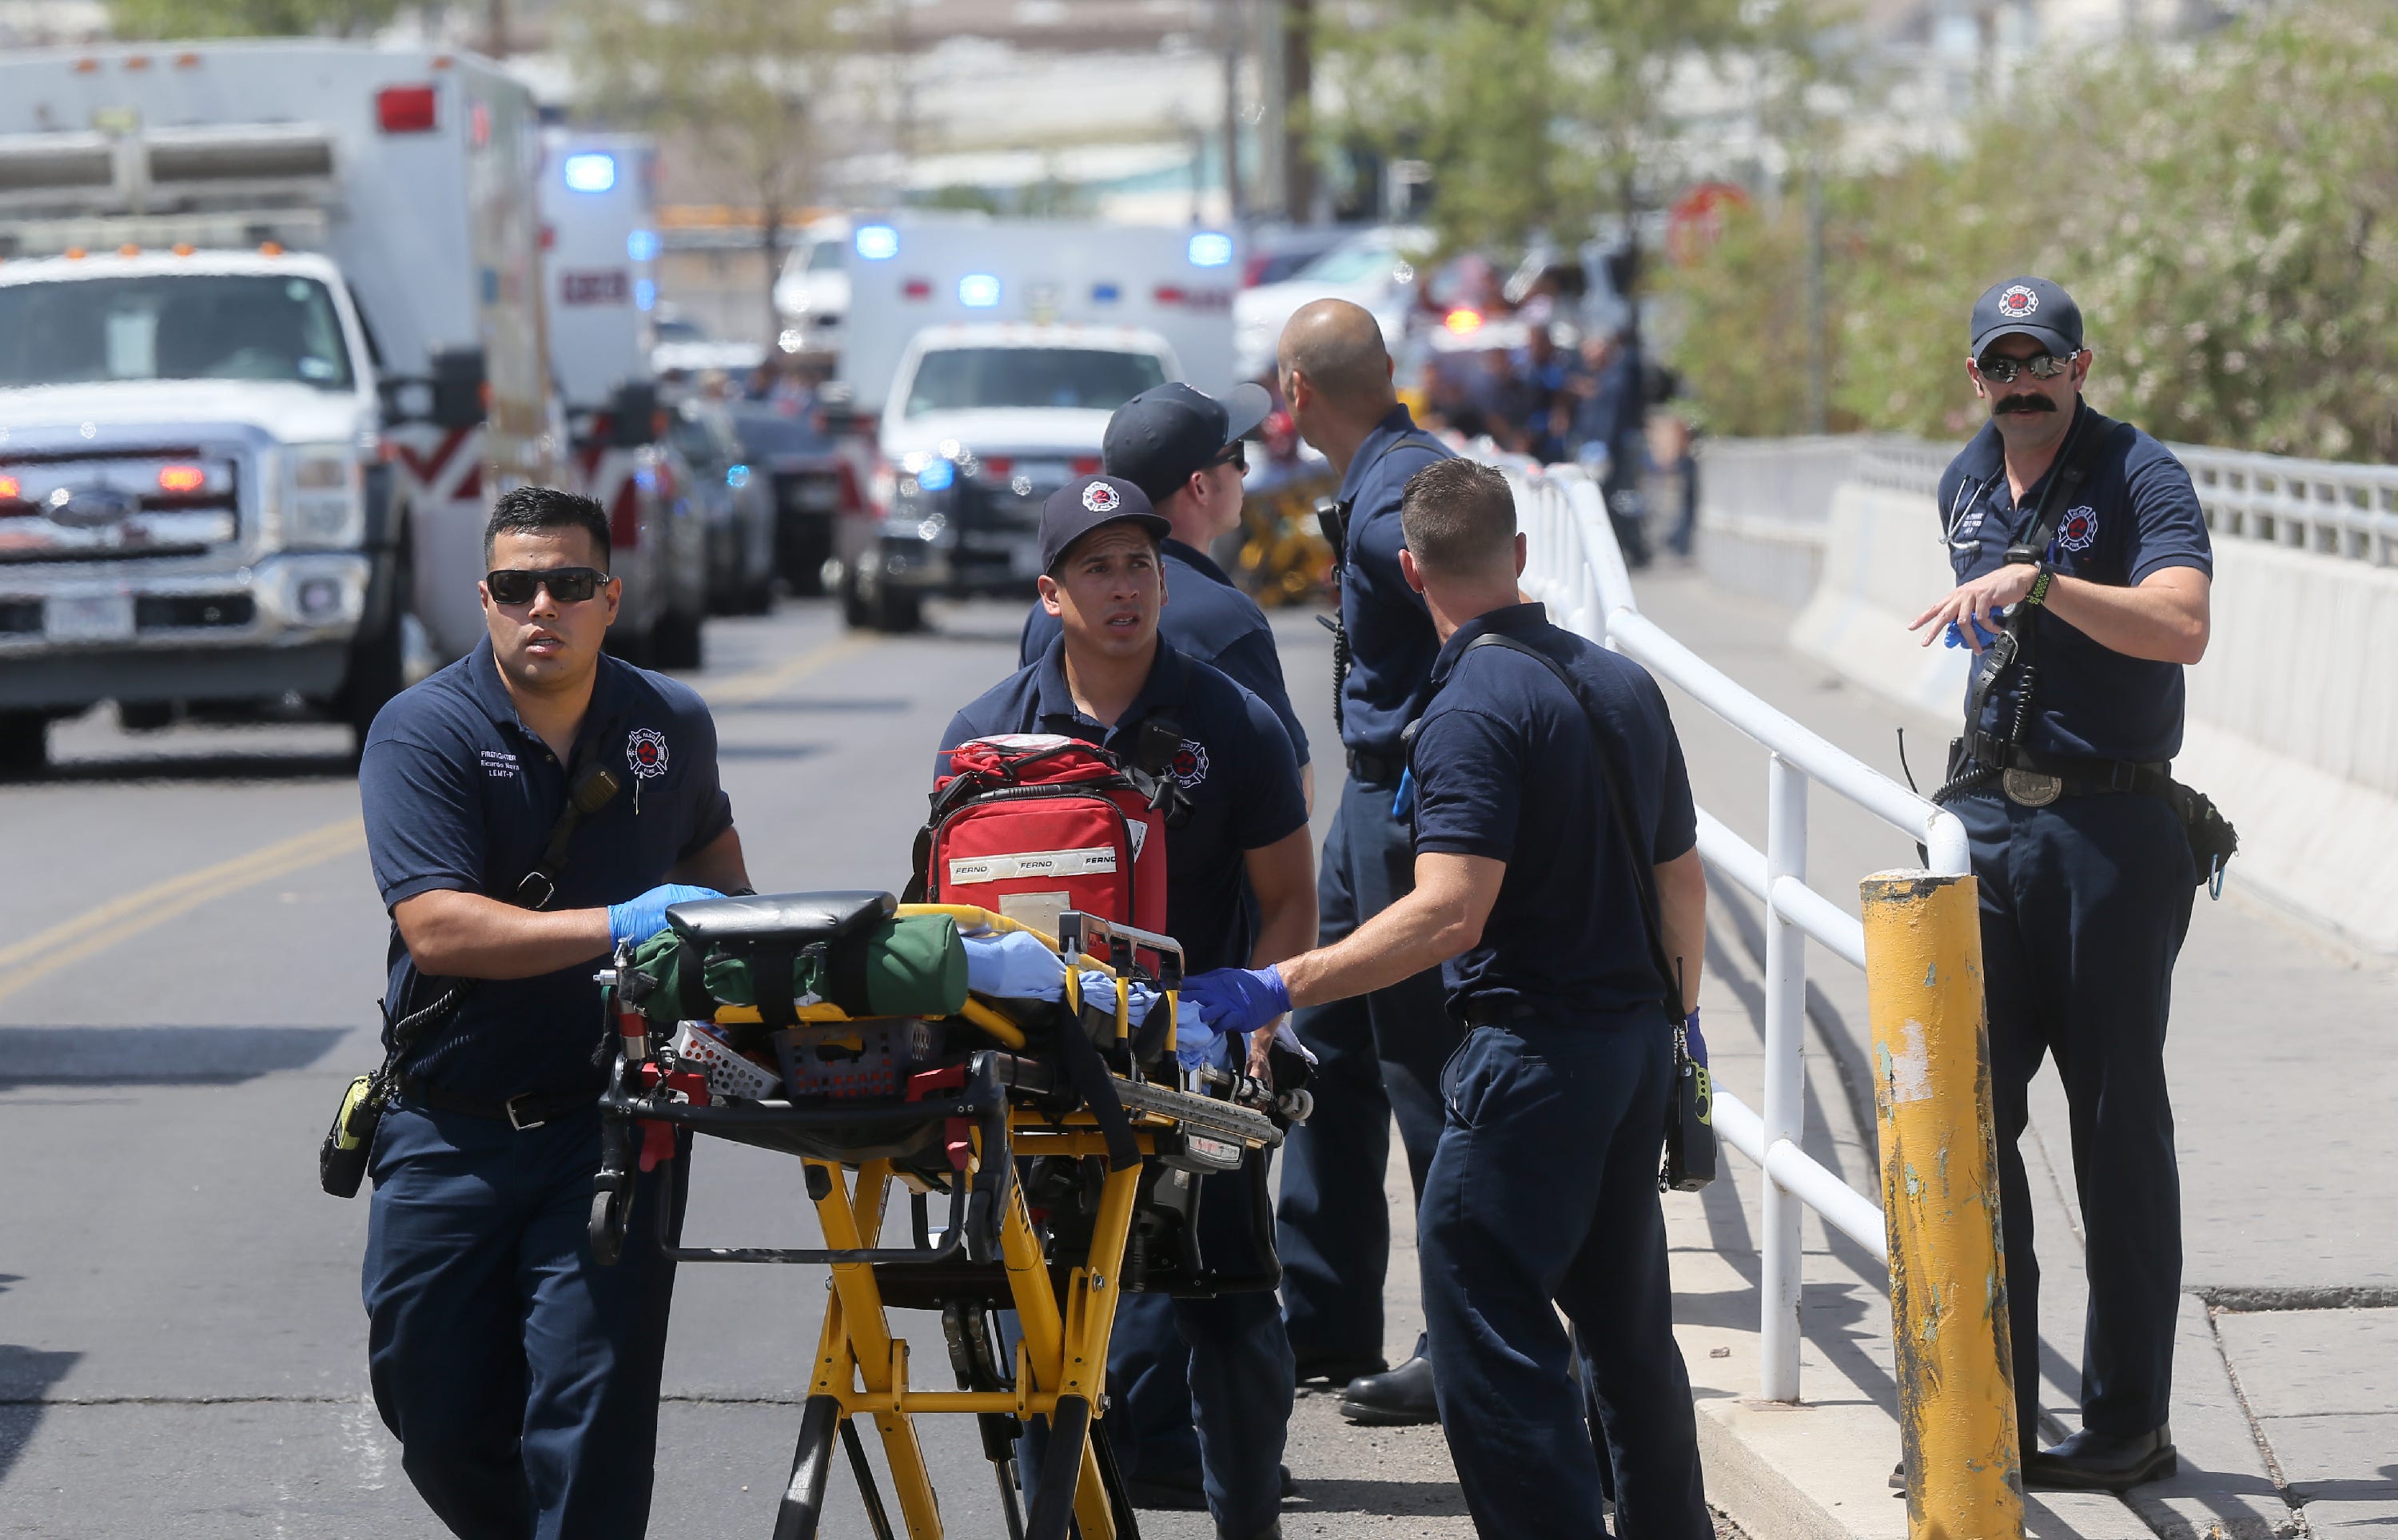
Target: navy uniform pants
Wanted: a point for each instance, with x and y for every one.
(519, 1376)
(1544, 1196)
(2084, 905)
(1379, 1055)
(1222, 1366)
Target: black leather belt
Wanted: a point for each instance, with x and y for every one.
(525, 1110)
(1495, 1013)
(1380, 769)
(2035, 779)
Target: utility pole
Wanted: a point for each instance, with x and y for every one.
(1298, 68)
(1236, 205)
(496, 20)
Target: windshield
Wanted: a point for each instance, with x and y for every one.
(825, 256)
(965, 379)
(1351, 262)
(765, 435)
(172, 326)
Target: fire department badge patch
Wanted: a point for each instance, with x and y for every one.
(2079, 531)
(2017, 302)
(1100, 498)
(645, 750)
(1189, 764)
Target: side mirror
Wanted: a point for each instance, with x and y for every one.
(461, 389)
(633, 414)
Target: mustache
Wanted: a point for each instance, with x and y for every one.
(2023, 404)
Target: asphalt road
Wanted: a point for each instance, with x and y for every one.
(190, 950)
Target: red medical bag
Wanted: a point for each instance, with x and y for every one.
(1028, 825)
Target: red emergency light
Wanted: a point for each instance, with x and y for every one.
(1087, 465)
(1168, 294)
(917, 288)
(996, 467)
(405, 110)
(182, 478)
(11, 489)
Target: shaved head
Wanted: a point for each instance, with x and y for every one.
(1337, 347)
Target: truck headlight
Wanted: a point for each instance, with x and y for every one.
(325, 501)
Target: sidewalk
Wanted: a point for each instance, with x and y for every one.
(2286, 1395)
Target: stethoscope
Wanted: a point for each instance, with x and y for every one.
(1969, 497)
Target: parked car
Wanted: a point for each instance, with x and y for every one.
(810, 481)
(1375, 268)
(1278, 251)
(736, 503)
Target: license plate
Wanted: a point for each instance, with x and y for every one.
(88, 618)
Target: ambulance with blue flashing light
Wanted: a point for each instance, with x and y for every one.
(991, 353)
(270, 342)
(599, 260)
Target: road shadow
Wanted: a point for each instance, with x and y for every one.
(157, 1055)
(1427, 1499)
(26, 1377)
(126, 769)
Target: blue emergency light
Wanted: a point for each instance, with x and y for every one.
(641, 245)
(937, 476)
(978, 292)
(1210, 248)
(876, 243)
(645, 294)
(592, 172)
(1105, 294)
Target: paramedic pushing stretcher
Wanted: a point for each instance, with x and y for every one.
(1184, 450)
(520, 1378)
(1104, 678)
(1544, 1185)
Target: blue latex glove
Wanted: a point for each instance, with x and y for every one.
(1954, 638)
(1403, 801)
(1693, 1037)
(637, 919)
(1014, 965)
(1238, 999)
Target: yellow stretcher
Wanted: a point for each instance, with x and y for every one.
(1013, 1101)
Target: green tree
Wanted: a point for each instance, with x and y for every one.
(2228, 221)
(741, 81)
(165, 18)
(1547, 115)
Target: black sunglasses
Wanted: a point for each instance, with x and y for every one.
(566, 584)
(1236, 455)
(2043, 366)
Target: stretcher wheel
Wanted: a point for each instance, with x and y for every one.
(611, 1209)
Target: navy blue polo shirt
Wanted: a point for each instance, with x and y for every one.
(1208, 618)
(1391, 643)
(1243, 782)
(460, 794)
(1505, 767)
(2135, 513)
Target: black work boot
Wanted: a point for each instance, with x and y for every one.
(1401, 1398)
(1340, 1368)
(2090, 1461)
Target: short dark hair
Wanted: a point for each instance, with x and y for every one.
(1458, 516)
(522, 510)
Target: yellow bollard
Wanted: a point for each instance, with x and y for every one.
(1940, 1197)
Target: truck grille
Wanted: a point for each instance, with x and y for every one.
(124, 505)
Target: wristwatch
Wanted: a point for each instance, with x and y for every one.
(2038, 593)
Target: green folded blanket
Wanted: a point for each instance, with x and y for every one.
(914, 966)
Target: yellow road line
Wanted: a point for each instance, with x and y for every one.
(758, 684)
(96, 930)
(70, 942)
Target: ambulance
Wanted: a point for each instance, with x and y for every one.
(599, 259)
(992, 353)
(271, 341)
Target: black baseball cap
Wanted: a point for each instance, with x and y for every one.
(1086, 502)
(1156, 439)
(2033, 306)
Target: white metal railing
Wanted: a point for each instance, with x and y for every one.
(2321, 505)
(1576, 568)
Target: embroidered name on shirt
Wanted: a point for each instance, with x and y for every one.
(499, 764)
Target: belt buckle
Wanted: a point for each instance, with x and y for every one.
(2030, 788)
(516, 1119)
